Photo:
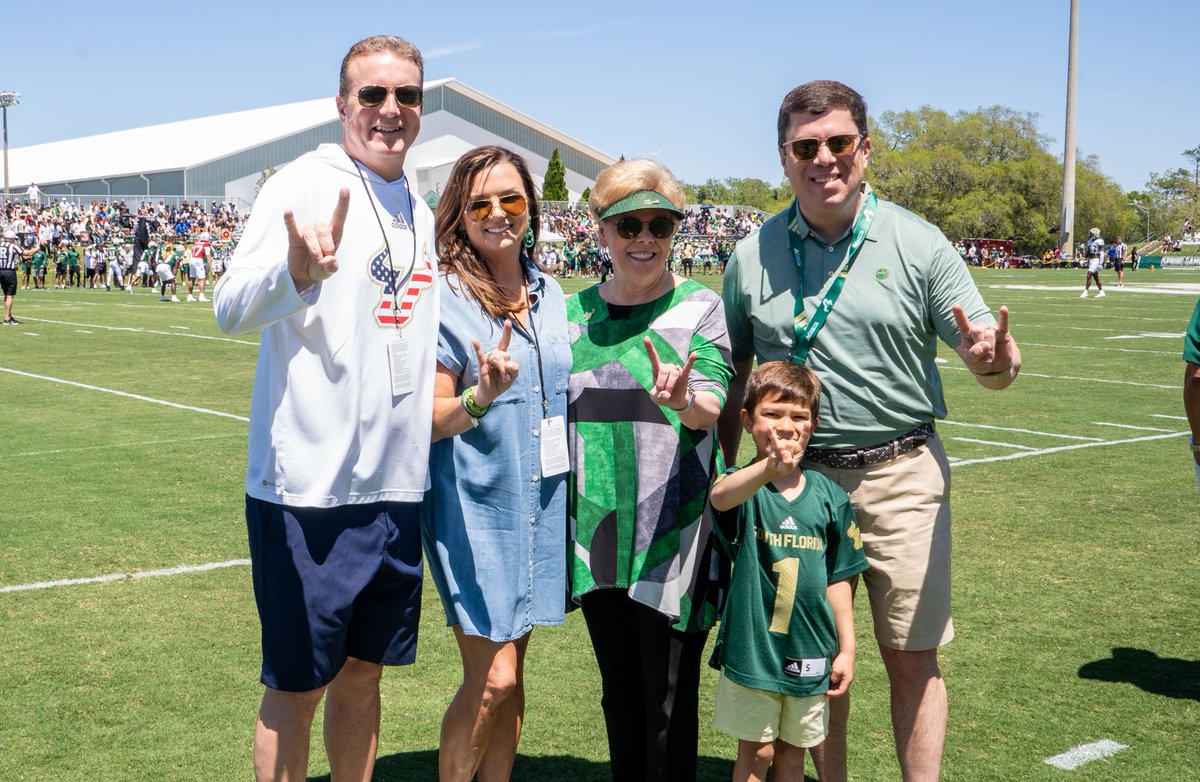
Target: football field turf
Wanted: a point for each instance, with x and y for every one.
(130, 640)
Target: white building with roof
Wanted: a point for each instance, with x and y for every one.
(225, 155)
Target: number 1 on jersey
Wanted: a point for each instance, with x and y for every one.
(785, 594)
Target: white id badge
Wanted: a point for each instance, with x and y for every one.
(554, 446)
(400, 367)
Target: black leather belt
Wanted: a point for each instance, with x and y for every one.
(842, 458)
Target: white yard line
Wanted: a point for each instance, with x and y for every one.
(84, 448)
(174, 571)
(948, 422)
(993, 442)
(126, 394)
(140, 331)
(1085, 753)
(1172, 386)
(1060, 448)
(1105, 347)
(1131, 426)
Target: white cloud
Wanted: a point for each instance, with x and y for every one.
(454, 48)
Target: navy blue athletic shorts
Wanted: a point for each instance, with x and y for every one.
(332, 583)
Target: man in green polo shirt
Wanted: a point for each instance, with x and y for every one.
(878, 287)
(1191, 385)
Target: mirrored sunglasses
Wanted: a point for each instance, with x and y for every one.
(512, 204)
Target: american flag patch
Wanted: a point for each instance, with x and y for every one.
(404, 300)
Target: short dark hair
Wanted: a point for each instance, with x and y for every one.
(818, 97)
(788, 382)
(374, 45)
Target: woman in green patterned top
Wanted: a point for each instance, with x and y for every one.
(650, 370)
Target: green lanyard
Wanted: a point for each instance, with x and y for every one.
(806, 330)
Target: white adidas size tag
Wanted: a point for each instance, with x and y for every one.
(805, 668)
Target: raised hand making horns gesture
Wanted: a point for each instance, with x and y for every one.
(497, 370)
(312, 249)
(670, 380)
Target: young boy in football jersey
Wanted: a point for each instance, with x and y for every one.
(786, 642)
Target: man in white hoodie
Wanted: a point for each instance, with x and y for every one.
(336, 269)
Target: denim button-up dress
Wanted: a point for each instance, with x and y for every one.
(494, 529)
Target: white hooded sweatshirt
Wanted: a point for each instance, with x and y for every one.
(326, 428)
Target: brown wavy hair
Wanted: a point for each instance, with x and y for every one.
(455, 253)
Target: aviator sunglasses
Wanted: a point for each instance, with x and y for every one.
(839, 146)
(373, 95)
(631, 227)
(513, 204)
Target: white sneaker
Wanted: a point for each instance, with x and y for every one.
(1101, 295)
(174, 298)
(191, 297)
(202, 298)
(1083, 295)
(162, 298)
(129, 288)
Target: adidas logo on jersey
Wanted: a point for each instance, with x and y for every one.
(792, 667)
(400, 222)
(788, 523)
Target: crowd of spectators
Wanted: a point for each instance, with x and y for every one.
(77, 241)
(703, 243)
(101, 232)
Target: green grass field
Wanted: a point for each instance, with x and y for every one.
(1077, 558)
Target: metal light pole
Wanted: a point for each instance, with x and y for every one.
(7, 99)
(1066, 236)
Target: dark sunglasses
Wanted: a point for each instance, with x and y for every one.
(373, 95)
(631, 227)
(512, 204)
(839, 146)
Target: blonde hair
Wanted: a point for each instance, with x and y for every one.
(629, 176)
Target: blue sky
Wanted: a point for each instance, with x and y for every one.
(695, 85)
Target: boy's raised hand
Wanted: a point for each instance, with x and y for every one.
(782, 458)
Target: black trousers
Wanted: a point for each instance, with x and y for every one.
(651, 681)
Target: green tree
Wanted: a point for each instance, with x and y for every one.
(554, 186)
(987, 173)
(733, 191)
(586, 194)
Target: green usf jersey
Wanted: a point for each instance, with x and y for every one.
(39, 259)
(777, 630)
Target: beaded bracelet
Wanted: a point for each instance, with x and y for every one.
(469, 404)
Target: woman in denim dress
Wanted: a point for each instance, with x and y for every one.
(494, 521)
